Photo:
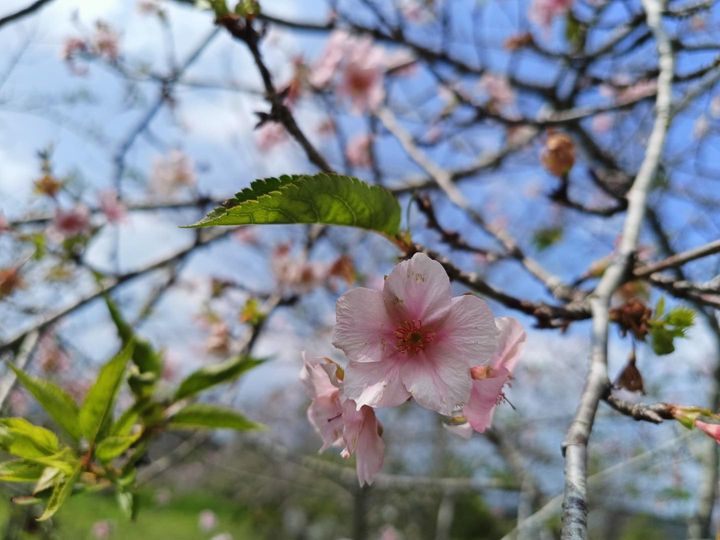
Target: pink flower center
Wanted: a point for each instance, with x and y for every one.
(412, 337)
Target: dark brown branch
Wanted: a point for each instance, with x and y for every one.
(24, 12)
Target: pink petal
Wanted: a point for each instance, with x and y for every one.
(511, 342)
(362, 437)
(376, 384)
(440, 383)
(418, 289)
(484, 398)
(363, 327)
(316, 378)
(325, 415)
(711, 429)
(469, 330)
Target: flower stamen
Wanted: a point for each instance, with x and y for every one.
(412, 337)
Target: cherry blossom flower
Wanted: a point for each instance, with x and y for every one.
(102, 529)
(488, 381)
(359, 64)
(207, 520)
(296, 274)
(358, 150)
(499, 92)
(51, 357)
(219, 340)
(413, 339)
(171, 172)
(342, 423)
(269, 135)
(72, 222)
(544, 12)
(105, 41)
(111, 206)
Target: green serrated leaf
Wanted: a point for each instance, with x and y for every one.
(681, 317)
(201, 415)
(212, 375)
(97, 408)
(330, 199)
(20, 470)
(25, 440)
(56, 402)
(60, 493)
(111, 447)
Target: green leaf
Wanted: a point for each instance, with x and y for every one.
(331, 199)
(56, 402)
(201, 415)
(215, 374)
(20, 470)
(660, 307)
(111, 447)
(662, 341)
(23, 439)
(681, 318)
(547, 237)
(145, 357)
(60, 493)
(128, 503)
(97, 408)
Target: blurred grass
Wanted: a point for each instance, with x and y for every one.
(176, 519)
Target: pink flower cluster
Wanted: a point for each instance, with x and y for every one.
(357, 66)
(412, 340)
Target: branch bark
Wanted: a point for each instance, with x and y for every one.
(575, 446)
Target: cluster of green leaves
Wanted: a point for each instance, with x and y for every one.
(330, 199)
(666, 327)
(95, 448)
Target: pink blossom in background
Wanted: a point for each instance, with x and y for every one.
(358, 64)
(269, 135)
(636, 91)
(602, 123)
(72, 222)
(207, 520)
(358, 150)
(50, 356)
(489, 380)
(73, 46)
(413, 339)
(498, 90)
(101, 530)
(713, 430)
(110, 205)
(173, 171)
(106, 42)
(296, 274)
(19, 402)
(339, 421)
(327, 65)
(544, 12)
(4, 224)
(219, 340)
